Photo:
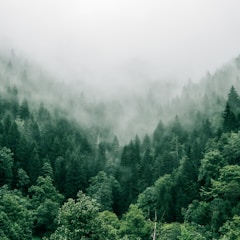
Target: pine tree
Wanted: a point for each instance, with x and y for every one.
(229, 119)
(233, 100)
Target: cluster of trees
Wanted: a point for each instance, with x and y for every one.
(61, 181)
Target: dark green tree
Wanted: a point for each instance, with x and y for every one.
(6, 166)
(104, 189)
(24, 112)
(229, 119)
(60, 173)
(46, 201)
(75, 175)
(23, 181)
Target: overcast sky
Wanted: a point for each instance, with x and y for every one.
(123, 40)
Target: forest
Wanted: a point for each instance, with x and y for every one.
(61, 179)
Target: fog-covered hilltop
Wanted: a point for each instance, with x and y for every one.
(126, 110)
(208, 95)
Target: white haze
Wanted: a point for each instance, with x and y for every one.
(111, 43)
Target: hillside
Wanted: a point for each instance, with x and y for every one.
(131, 111)
(64, 174)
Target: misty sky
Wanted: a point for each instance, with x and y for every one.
(123, 40)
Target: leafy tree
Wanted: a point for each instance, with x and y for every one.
(147, 201)
(16, 218)
(134, 225)
(159, 197)
(168, 231)
(111, 224)
(79, 220)
(190, 232)
(198, 212)
(227, 186)
(212, 162)
(45, 201)
(231, 148)
(231, 229)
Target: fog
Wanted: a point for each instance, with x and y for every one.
(122, 62)
(117, 43)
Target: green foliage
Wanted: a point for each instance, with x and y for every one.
(231, 148)
(134, 225)
(23, 180)
(198, 212)
(168, 231)
(75, 179)
(147, 201)
(190, 232)
(104, 189)
(227, 186)
(46, 201)
(24, 110)
(210, 166)
(16, 218)
(232, 110)
(6, 166)
(47, 170)
(110, 224)
(79, 220)
(164, 195)
(231, 229)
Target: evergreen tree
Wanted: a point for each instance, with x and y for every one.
(6, 166)
(46, 201)
(60, 173)
(229, 119)
(75, 175)
(232, 111)
(24, 112)
(103, 188)
(233, 100)
(13, 137)
(23, 181)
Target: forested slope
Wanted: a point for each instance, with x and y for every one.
(60, 179)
